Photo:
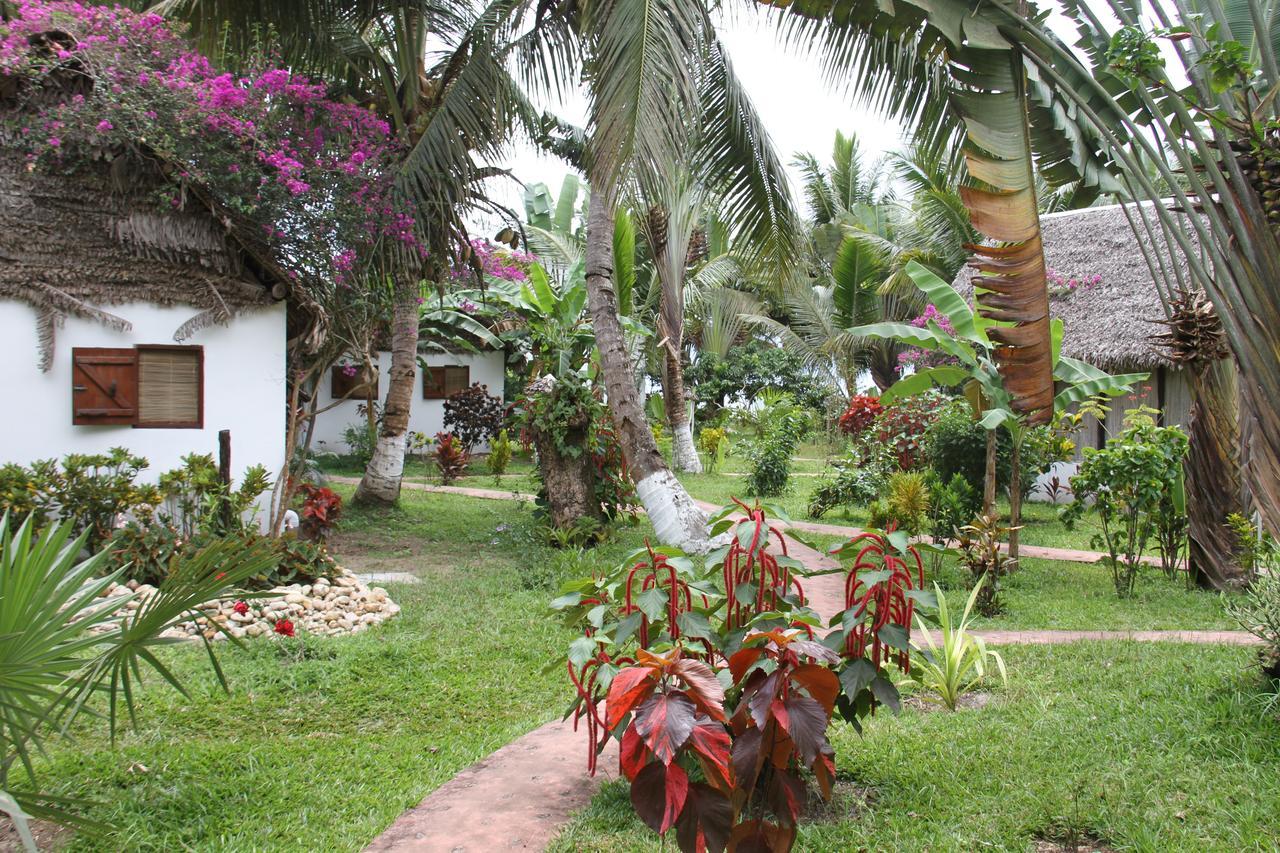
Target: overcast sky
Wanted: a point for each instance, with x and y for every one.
(800, 112)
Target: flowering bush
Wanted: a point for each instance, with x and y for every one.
(922, 358)
(311, 175)
(862, 411)
(494, 262)
(905, 425)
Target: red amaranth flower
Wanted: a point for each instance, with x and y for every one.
(284, 628)
(240, 607)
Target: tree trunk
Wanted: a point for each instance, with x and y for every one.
(684, 456)
(569, 481)
(676, 519)
(1015, 497)
(382, 477)
(1213, 475)
(989, 477)
(883, 367)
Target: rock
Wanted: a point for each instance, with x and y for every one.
(254, 630)
(132, 585)
(236, 632)
(293, 598)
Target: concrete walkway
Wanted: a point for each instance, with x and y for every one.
(520, 796)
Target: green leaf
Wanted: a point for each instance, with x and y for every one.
(627, 627)
(653, 603)
(894, 636)
(695, 625)
(856, 677)
(582, 650)
(945, 298)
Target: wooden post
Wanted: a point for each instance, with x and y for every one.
(224, 477)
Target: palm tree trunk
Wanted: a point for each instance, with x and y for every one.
(989, 477)
(676, 519)
(385, 471)
(1213, 475)
(684, 456)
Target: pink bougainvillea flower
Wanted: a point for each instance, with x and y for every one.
(284, 628)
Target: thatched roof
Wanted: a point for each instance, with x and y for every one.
(98, 237)
(1109, 325)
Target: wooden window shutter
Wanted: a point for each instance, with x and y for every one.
(433, 383)
(104, 386)
(170, 386)
(456, 379)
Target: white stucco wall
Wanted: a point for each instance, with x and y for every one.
(426, 416)
(244, 388)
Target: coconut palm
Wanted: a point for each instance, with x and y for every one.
(435, 69)
(661, 91)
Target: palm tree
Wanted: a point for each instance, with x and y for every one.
(450, 107)
(659, 82)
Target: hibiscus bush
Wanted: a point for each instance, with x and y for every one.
(719, 683)
(309, 176)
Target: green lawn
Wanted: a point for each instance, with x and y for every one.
(1145, 747)
(321, 745)
(328, 740)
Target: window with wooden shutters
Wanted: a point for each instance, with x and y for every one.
(146, 386)
(104, 386)
(439, 383)
(170, 386)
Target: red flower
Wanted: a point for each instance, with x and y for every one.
(219, 576)
(240, 607)
(284, 628)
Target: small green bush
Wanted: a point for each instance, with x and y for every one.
(784, 424)
(150, 553)
(499, 456)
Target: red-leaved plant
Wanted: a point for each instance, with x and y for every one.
(716, 684)
(860, 415)
(321, 508)
(451, 457)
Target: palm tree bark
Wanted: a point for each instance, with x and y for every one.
(676, 519)
(1213, 475)
(684, 456)
(380, 484)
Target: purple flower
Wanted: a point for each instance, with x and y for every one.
(104, 126)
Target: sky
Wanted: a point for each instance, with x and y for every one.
(799, 110)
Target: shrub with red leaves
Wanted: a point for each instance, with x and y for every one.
(717, 686)
(451, 457)
(904, 425)
(320, 510)
(861, 414)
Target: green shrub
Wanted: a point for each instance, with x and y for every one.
(499, 456)
(956, 444)
(151, 553)
(784, 424)
(195, 498)
(1126, 483)
(852, 486)
(952, 505)
(1258, 612)
(907, 497)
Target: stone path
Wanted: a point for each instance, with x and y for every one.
(520, 796)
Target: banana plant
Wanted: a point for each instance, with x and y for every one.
(974, 346)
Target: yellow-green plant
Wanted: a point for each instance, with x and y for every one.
(908, 501)
(714, 444)
(499, 456)
(956, 662)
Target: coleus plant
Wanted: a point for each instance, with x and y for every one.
(718, 682)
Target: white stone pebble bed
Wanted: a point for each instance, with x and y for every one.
(328, 607)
